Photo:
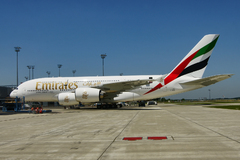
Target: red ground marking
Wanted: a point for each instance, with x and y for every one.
(156, 138)
(132, 138)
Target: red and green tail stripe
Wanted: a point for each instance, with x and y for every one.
(182, 68)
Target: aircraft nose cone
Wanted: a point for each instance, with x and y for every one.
(13, 94)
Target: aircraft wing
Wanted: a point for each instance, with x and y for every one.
(118, 87)
(207, 81)
(113, 89)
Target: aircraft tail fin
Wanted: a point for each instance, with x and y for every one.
(195, 62)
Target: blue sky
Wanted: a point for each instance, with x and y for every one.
(140, 37)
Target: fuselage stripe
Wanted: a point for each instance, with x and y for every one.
(195, 67)
(174, 74)
(178, 70)
(206, 48)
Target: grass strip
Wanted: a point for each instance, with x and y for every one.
(235, 107)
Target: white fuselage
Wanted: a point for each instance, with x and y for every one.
(48, 89)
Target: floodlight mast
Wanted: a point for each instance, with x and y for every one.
(103, 56)
(209, 93)
(48, 72)
(29, 67)
(59, 66)
(17, 49)
(74, 71)
(32, 72)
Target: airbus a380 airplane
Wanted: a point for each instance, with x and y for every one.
(186, 76)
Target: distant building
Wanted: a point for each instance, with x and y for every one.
(5, 91)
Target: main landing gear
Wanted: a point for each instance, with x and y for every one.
(107, 106)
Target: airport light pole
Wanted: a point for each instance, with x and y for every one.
(48, 72)
(59, 66)
(74, 71)
(29, 67)
(32, 72)
(17, 49)
(103, 56)
(209, 94)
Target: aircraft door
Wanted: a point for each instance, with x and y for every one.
(24, 91)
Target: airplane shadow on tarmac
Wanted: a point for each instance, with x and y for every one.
(140, 108)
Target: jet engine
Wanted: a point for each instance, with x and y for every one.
(83, 95)
(87, 95)
(67, 99)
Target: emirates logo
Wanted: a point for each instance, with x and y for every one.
(85, 95)
(66, 99)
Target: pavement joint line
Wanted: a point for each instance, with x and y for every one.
(25, 117)
(118, 135)
(222, 135)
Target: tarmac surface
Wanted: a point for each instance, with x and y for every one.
(190, 132)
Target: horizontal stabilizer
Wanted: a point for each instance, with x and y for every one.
(208, 80)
